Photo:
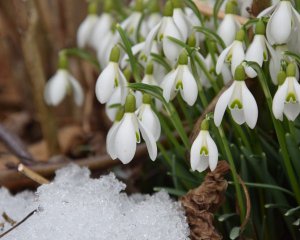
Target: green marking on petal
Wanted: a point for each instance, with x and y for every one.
(228, 57)
(265, 54)
(160, 37)
(179, 85)
(236, 104)
(137, 136)
(204, 151)
(116, 82)
(291, 98)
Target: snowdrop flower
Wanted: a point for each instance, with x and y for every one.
(164, 29)
(287, 98)
(239, 100)
(131, 23)
(258, 49)
(61, 84)
(181, 20)
(103, 25)
(155, 16)
(86, 28)
(180, 79)
(204, 152)
(111, 78)
(126, 134)
(146, 115)
(283, 22)
(229, 26)
(233, 54)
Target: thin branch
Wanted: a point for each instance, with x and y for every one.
(18, 224)
(32, 175)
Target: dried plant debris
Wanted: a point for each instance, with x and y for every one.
(202, 202)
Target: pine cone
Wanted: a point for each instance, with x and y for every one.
(200, 204)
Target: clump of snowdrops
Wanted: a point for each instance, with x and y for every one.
(161, 68)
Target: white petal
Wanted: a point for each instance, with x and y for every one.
(228, 28)
(222, 105)
(153, 20)
(150, 38)
(293, 43)
(249, 106)
(275, 63)
(266, 11)
(123, 85)
(114, 99)
(125, 139)
(149, 140)
(105, 83)
(222, 58)
(56, 88)
(84, 33)
(238, 55)
(278, 101)
(181, 22)
(77, 90)
(171, 49)
(110, 140)
(291, 110)
(212, 152)
(169, 84)
(189, 92)
(195, 159)
(255, 53)
(101, 28)
(150, 120)
(279, 26)
(238, 115)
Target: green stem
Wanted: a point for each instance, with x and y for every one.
(234, 173)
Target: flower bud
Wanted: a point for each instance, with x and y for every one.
(240, 35)
(260, 28)
(240, 74)
(231, 7)
(281, 76)
(147, 98)
(130, 104)
(63, 60)
(183, 58)
(205, 125)
(119, 114)
(168, 10)
(115, 54)
(192, 40)
(149, 68)
(93, 8)
(291, 70)
(139, 6)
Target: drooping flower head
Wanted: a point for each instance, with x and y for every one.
(204, 151)
(111, 78)
(284, 23)
(229, 26)
(259, 50)
(287, 98)
(62, 84)
(124, 137)
(180, 80)
(164, 29)
(239, 100)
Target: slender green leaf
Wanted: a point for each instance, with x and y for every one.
(210, 34)
(195, 9)
(162, 61)
(83, 54)
(217, 7)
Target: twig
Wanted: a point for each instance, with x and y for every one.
(15, 145)
(32, 175)
(18, 224)
(208, 11)
(8, 219)
(248, 204)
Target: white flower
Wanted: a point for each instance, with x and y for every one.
(164, 29)
(123, 137)
(239, 100)
(180, 79)
(233, 54)
(283, 22)
(149, 119)
(258, 49)
(228, 29)
(153, 19)
(60, 85)
(85, 31)
(111, 78)
(182, 22)
(102, 28)
(204, 152)
(287, 100)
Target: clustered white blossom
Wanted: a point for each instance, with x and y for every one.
(277, 30)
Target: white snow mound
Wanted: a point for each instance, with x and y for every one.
(75, 206)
